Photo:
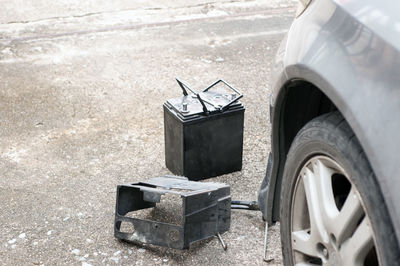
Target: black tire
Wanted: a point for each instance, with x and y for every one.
(330, 135)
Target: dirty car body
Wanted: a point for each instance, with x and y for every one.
(340, 56)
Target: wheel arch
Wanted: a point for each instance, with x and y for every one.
(298, 101)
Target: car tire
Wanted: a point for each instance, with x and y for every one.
(325, 155)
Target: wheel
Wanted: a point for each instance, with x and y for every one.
(332, 211)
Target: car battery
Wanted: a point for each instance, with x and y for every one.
(204, 132)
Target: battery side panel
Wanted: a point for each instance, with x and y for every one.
(173, 140)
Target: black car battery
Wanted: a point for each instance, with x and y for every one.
(204, 132)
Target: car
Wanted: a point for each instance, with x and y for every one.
(333, 174)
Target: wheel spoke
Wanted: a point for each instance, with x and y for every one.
(318, 231)
(324, 182)
(355, 249)
(349, 215)
(302, 242)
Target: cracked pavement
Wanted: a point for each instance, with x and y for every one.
(81, 94)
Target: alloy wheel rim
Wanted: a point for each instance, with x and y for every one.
(329, 224)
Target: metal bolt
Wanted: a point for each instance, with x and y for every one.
(184, 105)
(224, 246)
(174, 235)
(325, 252)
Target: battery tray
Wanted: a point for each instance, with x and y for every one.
(206, 211)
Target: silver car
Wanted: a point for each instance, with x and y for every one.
(333, 177)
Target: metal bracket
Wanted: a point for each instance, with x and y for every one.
(265, 241)
(237, 96)
(202, 100)
(206, 211)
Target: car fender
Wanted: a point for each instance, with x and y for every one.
(358, 71)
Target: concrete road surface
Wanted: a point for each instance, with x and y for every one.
(82, 85)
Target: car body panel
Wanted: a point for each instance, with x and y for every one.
(335, 45)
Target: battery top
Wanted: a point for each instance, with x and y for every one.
(190, 106)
